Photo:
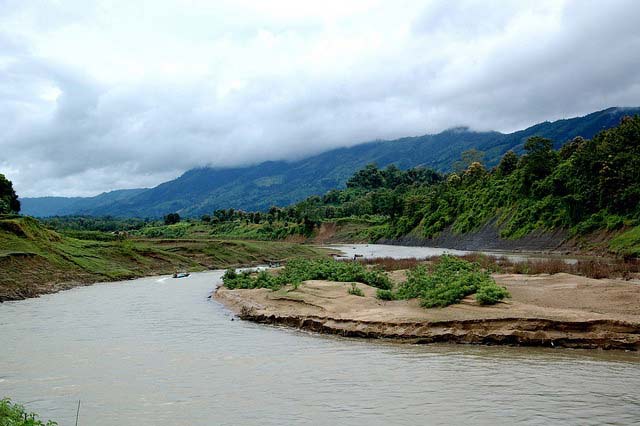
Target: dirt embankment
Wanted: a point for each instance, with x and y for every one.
(488, 238)
(557, 310)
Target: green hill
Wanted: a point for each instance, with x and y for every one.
(258, 187)
(35, 260)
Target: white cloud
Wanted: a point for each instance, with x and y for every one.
(103, 95)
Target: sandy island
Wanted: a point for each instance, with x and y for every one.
(544, 310)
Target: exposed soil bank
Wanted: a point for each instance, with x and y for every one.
(488, 238)
(559, 310)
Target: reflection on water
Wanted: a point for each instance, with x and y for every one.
(157, 351)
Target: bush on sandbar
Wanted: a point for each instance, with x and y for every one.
(298, 270)
(448, 282)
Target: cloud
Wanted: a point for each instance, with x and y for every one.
(97, 96)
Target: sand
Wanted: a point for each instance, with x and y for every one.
(545, 310)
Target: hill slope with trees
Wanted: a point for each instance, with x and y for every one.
(587, 185)
(201, 191)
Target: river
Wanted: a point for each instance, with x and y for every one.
(369, 251)
(157, 351)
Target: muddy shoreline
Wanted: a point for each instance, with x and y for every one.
(589, 320)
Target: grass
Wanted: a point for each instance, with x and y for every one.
(12, 414)
(36, 260)
(627, 244)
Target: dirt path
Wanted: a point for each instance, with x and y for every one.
(556, 310)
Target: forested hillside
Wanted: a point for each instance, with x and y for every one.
(259, 187)
(585, 186)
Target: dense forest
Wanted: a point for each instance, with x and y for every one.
(584, 186)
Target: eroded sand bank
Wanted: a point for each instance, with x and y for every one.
(545, 310)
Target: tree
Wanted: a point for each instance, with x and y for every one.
(171, 218)
(9, 202)
(392, 176)
(368, 178)
(421, 176)
(467, 158)
(220, 215)
(538, 163)
(508, 164)
(476, 170)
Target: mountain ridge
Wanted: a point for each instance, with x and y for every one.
(202, 190)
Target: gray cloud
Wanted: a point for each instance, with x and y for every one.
(104, 97)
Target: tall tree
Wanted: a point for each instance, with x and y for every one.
(467, 158)
(9, 202)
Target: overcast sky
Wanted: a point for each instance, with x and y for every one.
(102, 95)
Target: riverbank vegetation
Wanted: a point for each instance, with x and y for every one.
(442, 283)
(584, 187)
(446, 282)
(298, 270)
(590, 268)
(12, 414)
(36, 260)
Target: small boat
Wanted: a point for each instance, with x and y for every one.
(181, 274)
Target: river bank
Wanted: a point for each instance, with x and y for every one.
(560, 310)
(35, 260)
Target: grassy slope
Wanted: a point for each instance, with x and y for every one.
(35, 260)
(627, 243)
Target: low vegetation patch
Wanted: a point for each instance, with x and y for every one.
(590, 268)
(392, 264)
(386, 294)
(15, 415)
(448, 281)
(355, 290)
(298, 270)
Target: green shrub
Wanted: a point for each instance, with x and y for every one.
(386, 294)
(16, 415)
(298, 270)
(415, 284)
(355, 290)
(178, 230)
(450, 281)
(491, 294)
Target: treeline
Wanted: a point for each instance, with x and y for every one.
(93, 223)
(369, 191)
(9, 202)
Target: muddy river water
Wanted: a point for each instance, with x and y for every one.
(157, 351)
